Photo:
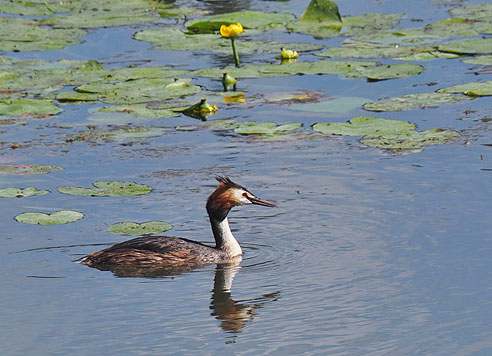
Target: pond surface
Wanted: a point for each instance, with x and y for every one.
(370, 252)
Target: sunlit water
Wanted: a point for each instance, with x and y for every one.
(367, 254)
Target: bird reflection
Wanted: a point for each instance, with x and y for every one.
(232, 314)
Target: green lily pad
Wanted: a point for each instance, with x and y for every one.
(249, 19)
(56, 218)
(282, 70)
(21, 34)
(21, 192)
(136, 229)
(173, 39)
(369, 24)
(264, 128)
(22, 169)
(469, 47)
(413, 141)
(470, 89)
(181, 11)
(414, 101)
(365, 126)
(76, 97)
(335, 105)
(117, 134)
(480, 60)
(28, 108)
(125, 114)
(388, 71)
(139, 90)
(367, 50)
(108, 189)
(33, 8)
(481, 12)
(458, 27)
(321, 19)
(387, 134)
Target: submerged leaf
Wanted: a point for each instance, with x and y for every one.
(108, 189)
(136, 229)
(56, 218)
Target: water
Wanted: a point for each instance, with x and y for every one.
(367, 254)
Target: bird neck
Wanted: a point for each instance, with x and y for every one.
(224, 239)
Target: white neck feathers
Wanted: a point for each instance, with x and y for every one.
(224, 239)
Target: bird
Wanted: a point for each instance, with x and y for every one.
(180, 253)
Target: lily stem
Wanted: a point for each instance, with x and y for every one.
(234, 51)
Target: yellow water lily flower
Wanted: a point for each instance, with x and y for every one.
(288, 54)
(233, 30)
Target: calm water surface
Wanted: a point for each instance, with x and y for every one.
(368, 253)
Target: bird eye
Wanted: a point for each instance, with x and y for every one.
(245, 195)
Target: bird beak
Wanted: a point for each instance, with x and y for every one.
(258, 201)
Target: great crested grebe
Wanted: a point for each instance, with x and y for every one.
(156, 251)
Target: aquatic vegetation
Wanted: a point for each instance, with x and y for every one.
(108, 189)
(22, 169)
(332, 105)
(33, 108)
(387, 134)
(119, 134)
(264, 128)
(414, 101)
(470, 89)
(56, 218)
(288, 53)
(21, 192)
(320, 19)
(139, 229)
(228, 81)
(232, 31)
(468, 47)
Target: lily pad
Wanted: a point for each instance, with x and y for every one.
(335, 105)
(365, 126)
(321, 19)
(264, 128)
(136, 229)
(480, 60)
(117, 134)
(35, 108)
(173, 39)
(249, 19)
(469, 47)
(414, 141)
(33, 8)
(387, 134)
(22, 169)
(125, 114)
(21, 34)
(76, 97)
(470, 89)
(414, 101)
(479, 12)
(369, 24)
(108, 189)
(388, 71)
(56, 218)
(21, 192)
(458, 27)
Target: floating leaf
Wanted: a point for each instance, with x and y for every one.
(389, 71)
(414, 141)
(470, 89)
(365, 126)
(387, 134)
(481, 60)
(321, 19)
(249, 19)
(173, 39)
(22, 34)
(56, 218)
(469, 47)
(108, 189)
(22, 169)
(458, 27)
(369, 24)
(136, 229)
(335, 105)
(264, 128)
(117, 134)
(414, 101)
(479, 12)
(74, 97)
(28, 107)
(21, 192)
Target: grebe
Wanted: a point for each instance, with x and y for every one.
(162, 251)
